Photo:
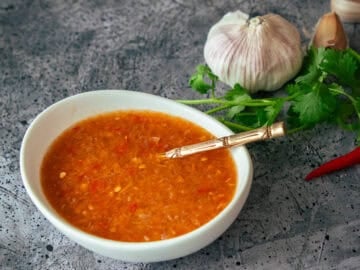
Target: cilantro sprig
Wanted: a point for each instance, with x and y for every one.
(327, 89)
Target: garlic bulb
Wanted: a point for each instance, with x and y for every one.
(348, 10)
(260, 54)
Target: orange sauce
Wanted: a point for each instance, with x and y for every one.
(104, 176)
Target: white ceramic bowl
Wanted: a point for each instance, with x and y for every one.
(58, 117)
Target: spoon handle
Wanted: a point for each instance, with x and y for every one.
(259, 134)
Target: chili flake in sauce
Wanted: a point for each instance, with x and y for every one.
(103, 175)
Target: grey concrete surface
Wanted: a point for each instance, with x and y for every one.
(52, 49)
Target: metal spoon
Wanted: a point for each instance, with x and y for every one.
(267, 132)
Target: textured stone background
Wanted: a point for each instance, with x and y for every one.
(52, 49)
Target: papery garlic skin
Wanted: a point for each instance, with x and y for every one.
(347, 10)
(262, 53)
(330, 33)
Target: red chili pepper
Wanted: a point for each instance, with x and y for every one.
(336, 164)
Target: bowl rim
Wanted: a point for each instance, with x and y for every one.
(67, 228)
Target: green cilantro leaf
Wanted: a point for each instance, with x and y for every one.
(330, 62)
(313, 58)
(252, 118)
(310, 77)
(316, 105)
(293, 119)
(357, 103)
(340, 64)
(343, 115)
(198, 79)
(261, 117)
(310, 71)
(293, 89)
(234, 110)
(237, 93)
(197, 83)
(273, 111)
(326, 89)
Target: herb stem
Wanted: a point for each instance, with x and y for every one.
(200, 101)
(236, 126)
(354, 54)
(328, 77)
(213, 86)
(294, 130)
(353, 101)
(217, 109)
(249, 103)
(254, 103)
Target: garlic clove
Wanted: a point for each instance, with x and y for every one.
(347, 10)
(330, 33)
(262, 53)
